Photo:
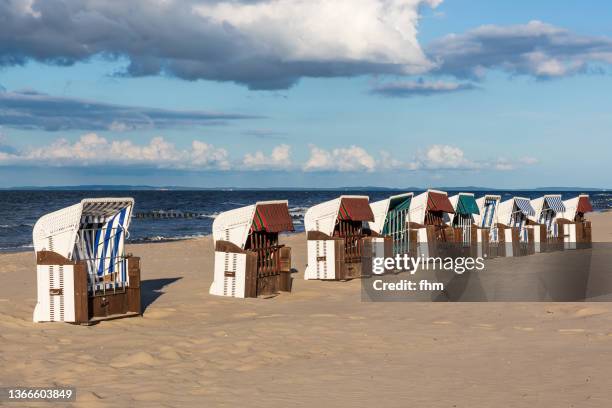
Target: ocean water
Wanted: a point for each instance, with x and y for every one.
(19, 210)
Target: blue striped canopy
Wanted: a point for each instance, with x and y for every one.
(524, 206)
(555, 203)
(489, 212)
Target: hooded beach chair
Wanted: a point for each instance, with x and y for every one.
(573, 226)
(544, 222)
(339, 244)
(391, 220)
(515, 237)
(249, 261)
(487, 233)
(464, 222)
(83, 272)
(427, 214)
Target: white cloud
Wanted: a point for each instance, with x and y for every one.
(264, 44)
(352, 158)
(92, 149)
(538, 49)
(443, 157)
(504, 164)
(280, 158)
(388, 162)
(321, 30)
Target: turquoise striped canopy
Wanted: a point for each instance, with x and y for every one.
(467, 205)
(396, 216)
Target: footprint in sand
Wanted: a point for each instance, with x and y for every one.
(140, 358)
(246, 367)
(590, 311)
(245, 314)
(160, 313)
(484, 326)
(170, 355)
(571, 331)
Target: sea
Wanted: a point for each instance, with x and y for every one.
(166, 215)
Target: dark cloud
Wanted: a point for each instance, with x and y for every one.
(406, 89)
(536, 49)
(194, 39)
(32, 110)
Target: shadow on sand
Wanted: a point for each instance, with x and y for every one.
(151, 289)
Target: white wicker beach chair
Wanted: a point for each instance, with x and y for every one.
(544, 222)
(427, 214)
(392, 221)
(83, 272)
(249, 262)
(574, 227)
(514, 232)
(339, 244)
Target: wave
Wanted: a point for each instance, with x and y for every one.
(161, 238)
(298, 212)
(17, 247)
(12, 226)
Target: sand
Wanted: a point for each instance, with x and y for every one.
(319, 345)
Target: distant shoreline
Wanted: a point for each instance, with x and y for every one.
(348, 188)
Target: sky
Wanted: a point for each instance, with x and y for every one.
(297, 93)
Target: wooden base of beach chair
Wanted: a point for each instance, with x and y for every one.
(243, 274)
(329, 259)
(575, 235)
(69, 299)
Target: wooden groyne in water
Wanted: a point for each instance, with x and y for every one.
(161, 214)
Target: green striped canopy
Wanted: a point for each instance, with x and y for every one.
(396, 216)
(467, 205)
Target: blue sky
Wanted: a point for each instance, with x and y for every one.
(404, 93)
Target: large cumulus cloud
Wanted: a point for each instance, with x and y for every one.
(265, 44)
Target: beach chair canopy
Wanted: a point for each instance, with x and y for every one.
(546, 208)
(524, 205)
(430, 200)
(584, 204)
(93, 227)
(579, 205)
(467, 205)
(487, 207)
(439, 202)
(388, 211)
(464, 204)
(514, 206)
(464, 207)
(554, 203)
(323, 217)
(235, 225)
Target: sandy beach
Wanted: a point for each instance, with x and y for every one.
(318, 346)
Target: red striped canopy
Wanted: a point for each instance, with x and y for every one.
(355, 209)
(272, 217)
(439, 202)
(584, 205)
